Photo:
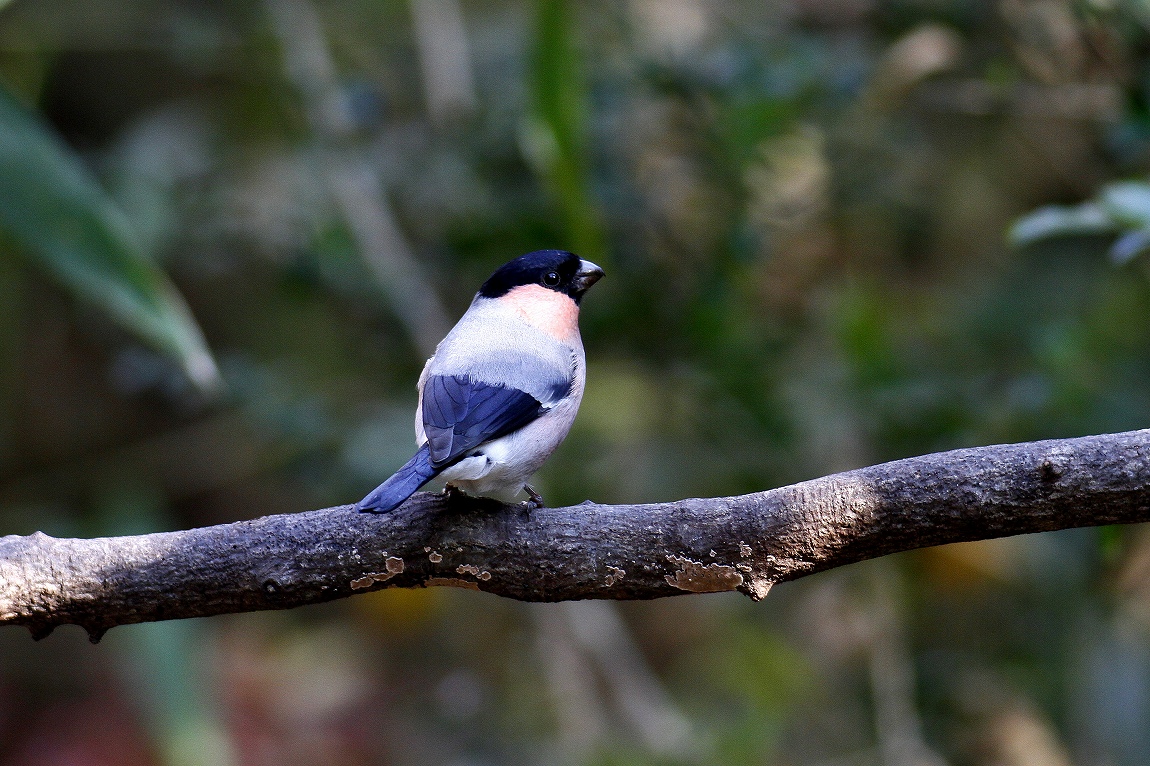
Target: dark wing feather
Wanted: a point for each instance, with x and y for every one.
(459, 414)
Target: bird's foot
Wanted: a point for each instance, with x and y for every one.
(455, 496)
(534, 500)
(452, 492)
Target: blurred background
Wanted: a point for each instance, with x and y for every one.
(836, 232)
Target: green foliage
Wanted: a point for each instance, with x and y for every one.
(68, 226)
(801, 211)
(555, 134)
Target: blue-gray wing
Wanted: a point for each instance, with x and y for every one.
(459, 414)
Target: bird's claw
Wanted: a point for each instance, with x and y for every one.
(534, 500)
(453, 494)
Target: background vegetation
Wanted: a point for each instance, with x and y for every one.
(231, 232)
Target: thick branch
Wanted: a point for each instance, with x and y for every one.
(744, 543)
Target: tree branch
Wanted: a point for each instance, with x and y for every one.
(744, 543)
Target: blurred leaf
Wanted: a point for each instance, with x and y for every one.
(1129, 245)
(1061, 221)
(1121, 208)
(1128, 203)
(66, 223)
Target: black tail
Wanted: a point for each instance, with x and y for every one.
(401, 485)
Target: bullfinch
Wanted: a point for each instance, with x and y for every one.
(502, 389)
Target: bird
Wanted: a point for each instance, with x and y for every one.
(502, 389)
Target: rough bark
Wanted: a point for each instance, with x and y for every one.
(744, 543)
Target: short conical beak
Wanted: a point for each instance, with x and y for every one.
(587, 275)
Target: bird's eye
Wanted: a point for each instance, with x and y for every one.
(551, 278)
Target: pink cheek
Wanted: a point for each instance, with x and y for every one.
(553, 313)
(566, 319)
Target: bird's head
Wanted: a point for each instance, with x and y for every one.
(556, 270)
